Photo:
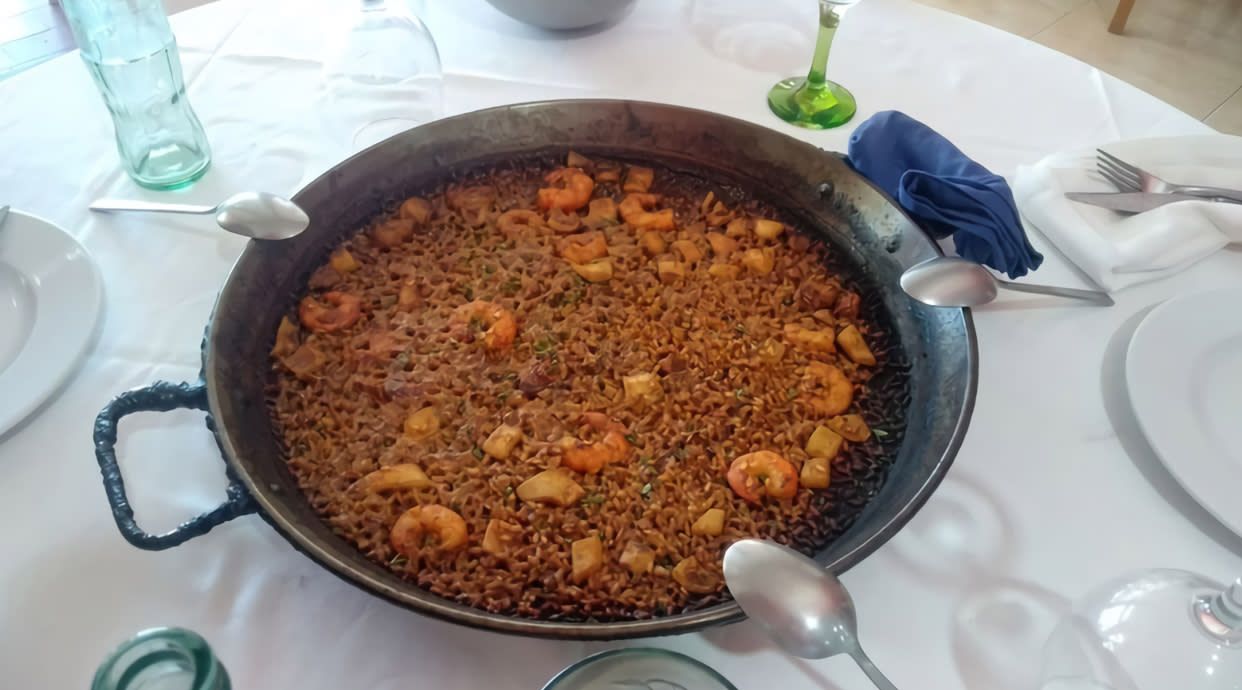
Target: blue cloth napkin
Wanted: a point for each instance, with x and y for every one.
(945, 192)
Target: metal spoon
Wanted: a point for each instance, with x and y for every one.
(952, 282)
(803, 607)
(259, 215)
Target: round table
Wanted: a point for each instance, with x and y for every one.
(1052, 492)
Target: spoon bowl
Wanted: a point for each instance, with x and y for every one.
(804, 608)
(262, 216)
(948, 281)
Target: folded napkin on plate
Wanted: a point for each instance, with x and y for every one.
(945, 192)
(1116, 250)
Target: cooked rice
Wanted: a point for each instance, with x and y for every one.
(346, 418)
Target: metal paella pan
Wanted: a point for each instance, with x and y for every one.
(818, 189)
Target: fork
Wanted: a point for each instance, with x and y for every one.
(1131, 178)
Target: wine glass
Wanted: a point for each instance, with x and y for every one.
(1153, 630)
(815, 102)
(381, 74)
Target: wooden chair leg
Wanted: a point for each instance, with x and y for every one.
(1122, 14)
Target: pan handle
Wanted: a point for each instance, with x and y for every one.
(160, 396)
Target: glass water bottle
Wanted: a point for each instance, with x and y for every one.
(162, 659)
(130, 51)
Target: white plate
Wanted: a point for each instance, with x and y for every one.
(50, 298)
(1184, 376)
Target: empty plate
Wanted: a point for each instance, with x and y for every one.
(1184, 377)
(50, 298)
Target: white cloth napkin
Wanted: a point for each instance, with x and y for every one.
(1117, 250)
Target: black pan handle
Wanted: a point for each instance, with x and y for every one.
(160, 396)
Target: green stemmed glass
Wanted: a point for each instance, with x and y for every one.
(815, 102)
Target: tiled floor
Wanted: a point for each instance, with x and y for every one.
(1187, 52)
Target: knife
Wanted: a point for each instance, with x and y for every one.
(1135, 202)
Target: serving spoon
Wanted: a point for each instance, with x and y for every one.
(803, 607)
(260, 215)
(949, 281)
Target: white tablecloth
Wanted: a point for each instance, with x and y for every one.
(1052, 492)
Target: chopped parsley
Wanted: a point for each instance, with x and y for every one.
(477, 453)
(631, 439)
(592, 499)
(791, 393)
(646, 490)
(879, 433)
(398, 561)
(544, 347)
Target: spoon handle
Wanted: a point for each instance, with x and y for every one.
(864, 662)
(135, 205)
(1100, 298)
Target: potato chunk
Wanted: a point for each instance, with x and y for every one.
(689, 251)
(691, 575)
(670, 271)
(816, 473)
(638, 179)
(599, 271)
(851, 426)
(759, 261)
(855, 347)
(501, 441)
(343, 262)
(824, 443)
(422, 424)
(638, 558)
(768, 229)
(652, 243)
(709, 524)
(722, 245)
(554, 487)
(588, 558)
(500, 537)
(642, 388)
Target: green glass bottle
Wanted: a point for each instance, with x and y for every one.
(130, 52)
(162, 659)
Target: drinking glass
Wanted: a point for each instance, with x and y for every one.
(381, 75)
(1152, 630)
(815, 102)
